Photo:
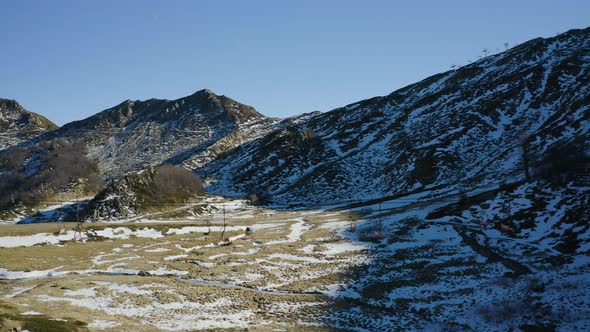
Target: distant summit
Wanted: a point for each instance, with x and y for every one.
(135, 134)
(18, 125)
(490, 122)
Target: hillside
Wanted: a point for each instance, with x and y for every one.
(18, 125)
(136, 134)
(480, 125)
(459, 203)
(155, 189)
(123, 140)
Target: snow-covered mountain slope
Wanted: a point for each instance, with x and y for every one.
(244, 134)
(539, 217)
(482, 124)
(18, 125)
(135, 134)
(513, 258)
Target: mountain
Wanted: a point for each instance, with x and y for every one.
(75, 160)
(18, 125)
(473, 189)
(478, 182)
(508, 118)
(491, 122)
(136, 134)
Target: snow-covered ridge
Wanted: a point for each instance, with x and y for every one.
(459, 129)
(134, 134)
(18, 125)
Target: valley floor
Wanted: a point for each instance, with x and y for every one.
(295, 270)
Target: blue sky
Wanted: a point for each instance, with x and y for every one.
(70, 59)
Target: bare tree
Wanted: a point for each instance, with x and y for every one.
(224, 226)
(170, 180)
(63, 163)
(524, 145)
(208, 225)
(563, 161)
(351, 219)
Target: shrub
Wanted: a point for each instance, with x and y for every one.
(563, 161)
(169, 180)
(259, 198)
(35, 172)
(14, 157)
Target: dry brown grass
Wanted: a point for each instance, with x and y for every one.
(245, 262)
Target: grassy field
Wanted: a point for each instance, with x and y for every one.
(294, 270)
(176, 275)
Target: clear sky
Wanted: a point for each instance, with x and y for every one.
(70, 59)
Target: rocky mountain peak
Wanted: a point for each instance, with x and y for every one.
(138, 133)
(18, 125)
(210, 102)
(9, 105)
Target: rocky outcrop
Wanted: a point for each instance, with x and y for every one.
(151, 190)
(18, 125)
